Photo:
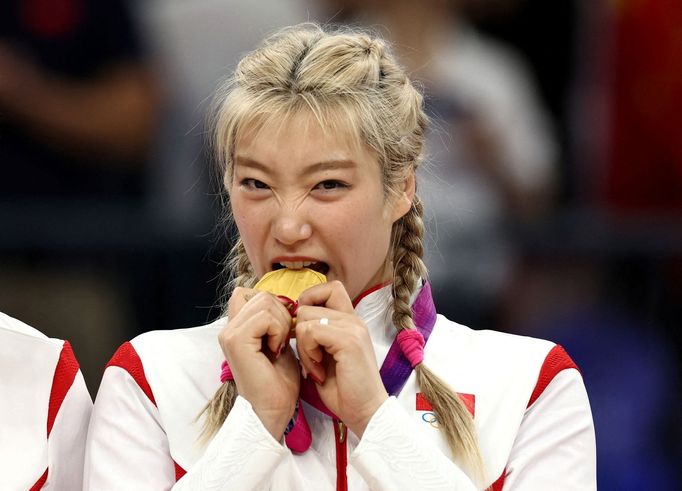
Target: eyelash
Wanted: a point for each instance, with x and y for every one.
(337, 185)
(255, 184)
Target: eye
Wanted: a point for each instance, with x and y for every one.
(253, 184)
(331, 185)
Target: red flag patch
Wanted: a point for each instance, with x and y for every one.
(469, 400)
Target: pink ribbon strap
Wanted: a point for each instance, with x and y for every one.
(225, 372)
(299, 437)
(411, 344)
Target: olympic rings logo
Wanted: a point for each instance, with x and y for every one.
(431, 419)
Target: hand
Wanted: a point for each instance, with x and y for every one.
(265, 369)
(339, 356)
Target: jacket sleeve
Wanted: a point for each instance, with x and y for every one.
(391, 455)
(555, 445)
(242, 455)
(68, 416)
(128, 448)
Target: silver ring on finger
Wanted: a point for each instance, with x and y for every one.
(324, 321)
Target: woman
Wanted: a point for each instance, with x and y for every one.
(320, 135)
(44, 410)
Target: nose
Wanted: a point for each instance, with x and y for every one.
(291, 227)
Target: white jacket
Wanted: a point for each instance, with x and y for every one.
(44, 411)
(531, 412)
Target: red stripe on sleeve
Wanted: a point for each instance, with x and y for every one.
(556, 361)
(64, 374)
(40, 482)
(127, 358)
(499, 484)
(179, 471)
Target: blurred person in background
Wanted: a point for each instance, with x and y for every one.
(44, 412)
(493, 154)
(604, 277)
(78, 107)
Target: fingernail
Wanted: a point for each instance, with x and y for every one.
(304, 372)
(279, 351)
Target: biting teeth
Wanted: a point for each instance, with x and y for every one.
(296, 264)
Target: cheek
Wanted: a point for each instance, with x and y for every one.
(248, 224)
(363, 227)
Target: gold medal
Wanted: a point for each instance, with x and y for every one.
(290, 283)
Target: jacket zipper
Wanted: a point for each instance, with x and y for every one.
(340, 432)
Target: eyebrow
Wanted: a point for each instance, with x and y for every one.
(244, 161)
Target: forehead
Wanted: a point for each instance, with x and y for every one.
(301, 138)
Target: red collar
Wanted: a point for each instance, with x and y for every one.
(370, 290)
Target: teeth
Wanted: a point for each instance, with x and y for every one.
(296, 264)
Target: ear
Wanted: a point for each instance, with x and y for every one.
(403, 201)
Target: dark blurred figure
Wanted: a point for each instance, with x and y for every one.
(77, 115)
(643, 171)
(637, 179)
(77, 101)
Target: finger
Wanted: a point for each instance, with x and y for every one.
(240, 297)
(256, 304)
(311, 313)
(332, 295)
(247, 302)
(266, 324)
(313, 339)
(310, 352)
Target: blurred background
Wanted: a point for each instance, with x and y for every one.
(553, 185)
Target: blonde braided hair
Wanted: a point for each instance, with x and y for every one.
(453, 417)
(349, 81)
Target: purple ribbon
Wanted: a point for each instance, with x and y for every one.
(396, 368)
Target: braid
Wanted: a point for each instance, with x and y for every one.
(407, 261)
(217, 409)
(223, 400)
(453, 417)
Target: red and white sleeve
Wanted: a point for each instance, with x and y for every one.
(67, 423)
(127, 447)
(555, 445)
